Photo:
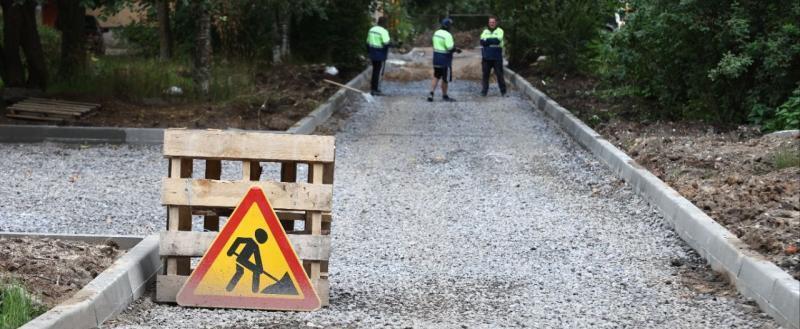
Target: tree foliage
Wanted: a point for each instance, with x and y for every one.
(559, 29)
(716, 59)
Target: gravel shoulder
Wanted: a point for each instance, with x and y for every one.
(482, 213)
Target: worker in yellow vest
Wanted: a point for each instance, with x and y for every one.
(492, 51)
(443, 49)
(378, 43)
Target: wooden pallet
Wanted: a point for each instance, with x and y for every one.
(43, 109)
(211, 197)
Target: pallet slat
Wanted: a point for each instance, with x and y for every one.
(31, 117)
(53, 107)
(237, 145)
(195, 244)
(46, 100)
(215, 193)
(43, 110)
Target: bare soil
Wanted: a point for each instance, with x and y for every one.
(53, 270)
(737, 175)
(288, 94)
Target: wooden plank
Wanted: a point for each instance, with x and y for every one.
(179, 218)
(41, 109)
(45, 100)
(168, 286)
(240, 145)
(31, 117)
(195, 244)
(215, 193)
(55, 107)
(45, 112)
(323, 288)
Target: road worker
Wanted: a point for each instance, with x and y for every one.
(378, 43)
(443, 49)
(492, 52)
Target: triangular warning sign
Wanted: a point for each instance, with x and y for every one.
(250, 264)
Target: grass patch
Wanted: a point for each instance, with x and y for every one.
(137, 78)
(786, 158)
(16, 306)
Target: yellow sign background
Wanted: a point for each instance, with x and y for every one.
(224, 267)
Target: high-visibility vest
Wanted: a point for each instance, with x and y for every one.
(492, 44)
(378, 42)
(443, 45)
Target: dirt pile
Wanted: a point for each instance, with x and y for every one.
(53, 270)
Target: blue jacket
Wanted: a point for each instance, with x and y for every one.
(492, 44)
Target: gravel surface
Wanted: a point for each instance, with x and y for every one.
(475, 214)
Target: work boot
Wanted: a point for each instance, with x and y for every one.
(503, 93)
(376, 93)
(448, 99)
(483, 93)
(430, 97)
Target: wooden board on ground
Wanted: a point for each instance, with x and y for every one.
(42, 109)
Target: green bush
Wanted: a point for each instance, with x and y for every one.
(562, 30)
(721, 60)
(787, 115)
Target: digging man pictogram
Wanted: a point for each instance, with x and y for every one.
(284, 286)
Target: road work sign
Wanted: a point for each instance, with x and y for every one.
(250, 264)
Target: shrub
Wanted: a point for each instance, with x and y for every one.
(722, 60)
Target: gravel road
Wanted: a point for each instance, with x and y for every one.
(475, 214)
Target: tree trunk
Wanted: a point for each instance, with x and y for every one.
(73, 37)
(32, 48)
(202, 53)
(14, 71)
(285, 23)
(164, 29)
(276, 34)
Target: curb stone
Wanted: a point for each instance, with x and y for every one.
(110, 292)
(775, 291)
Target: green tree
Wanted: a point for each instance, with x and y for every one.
(562, 30)
(716, 59)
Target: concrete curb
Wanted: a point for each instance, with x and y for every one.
(113, 135)
(775, 291)
(309, 123)
(109, 293)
